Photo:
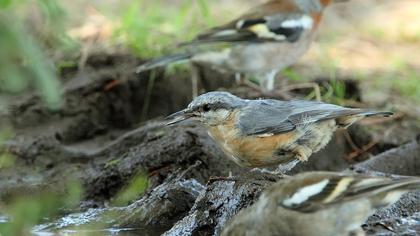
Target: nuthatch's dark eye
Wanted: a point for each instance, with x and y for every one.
(206, 108)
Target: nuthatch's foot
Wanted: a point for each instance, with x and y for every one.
(302, 153)
(287, 167)
(281, 170)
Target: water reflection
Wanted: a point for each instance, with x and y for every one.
(4, 219)
(105, 232)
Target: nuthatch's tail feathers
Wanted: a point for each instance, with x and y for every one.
(358, 114)
(370, 113)
(163, 61)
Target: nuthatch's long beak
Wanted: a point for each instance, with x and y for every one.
(179, 116)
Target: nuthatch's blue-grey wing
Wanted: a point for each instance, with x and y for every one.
(260, 117)
(320, 190)
(267, 117)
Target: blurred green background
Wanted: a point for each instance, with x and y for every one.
(374, 40)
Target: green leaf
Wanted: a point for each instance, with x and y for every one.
(22, 59)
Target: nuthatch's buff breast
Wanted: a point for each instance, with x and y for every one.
(259, 133)
(250, 151)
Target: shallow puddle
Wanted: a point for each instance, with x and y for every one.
(105, 232)
(4, 219)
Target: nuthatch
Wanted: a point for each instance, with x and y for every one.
(318, 203)
(266, 132)
(261, 42)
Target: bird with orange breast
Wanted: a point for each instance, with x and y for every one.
(267, 132)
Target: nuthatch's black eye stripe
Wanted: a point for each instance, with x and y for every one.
(213, 107)
(206, 107)
(220, 105)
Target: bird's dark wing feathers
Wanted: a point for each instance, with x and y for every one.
(262, 117)
(260, 29)
(349, 187)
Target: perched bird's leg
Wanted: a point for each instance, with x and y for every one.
(251, 85)
(268, 82)
(302, 153)
(238, 78)
(195, 76)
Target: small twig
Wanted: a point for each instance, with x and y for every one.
(353, 103)
(315, 86)
(112, 84)
(156, 171)
(350, 141)
(363, 150)
(214, 179)
(250, 85)
(387, 227)
(191, 167)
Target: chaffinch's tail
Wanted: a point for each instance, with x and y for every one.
(335, 189)
(163, 61)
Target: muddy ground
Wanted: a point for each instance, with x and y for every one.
(108, 132)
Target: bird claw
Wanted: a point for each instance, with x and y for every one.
(302, 153)
(302, 157)
(287, 167)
